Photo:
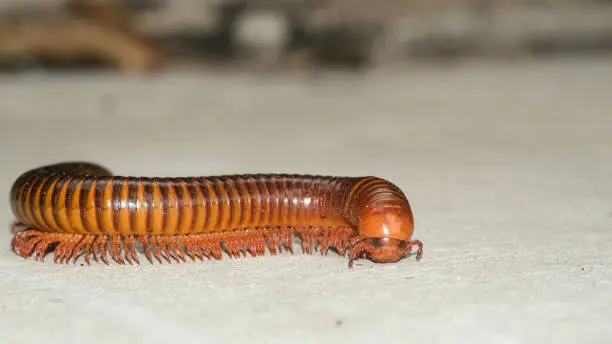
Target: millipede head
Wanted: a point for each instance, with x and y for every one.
(385, 250)
(386, 235)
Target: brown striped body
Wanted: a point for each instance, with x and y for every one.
(84, 201)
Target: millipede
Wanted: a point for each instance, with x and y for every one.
(80, 209)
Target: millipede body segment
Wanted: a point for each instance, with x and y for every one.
(78, 209)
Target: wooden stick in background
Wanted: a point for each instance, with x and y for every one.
(93, 31)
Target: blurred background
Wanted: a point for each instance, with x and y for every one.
(147, 36)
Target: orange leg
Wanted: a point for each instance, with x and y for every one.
(413, 243)
(121, 248)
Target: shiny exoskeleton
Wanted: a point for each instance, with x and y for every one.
(83, 201)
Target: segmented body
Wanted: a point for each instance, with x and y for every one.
(86, 207)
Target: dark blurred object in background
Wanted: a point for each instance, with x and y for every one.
(84, 32)
(138, 36)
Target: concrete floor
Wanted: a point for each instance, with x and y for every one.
(508, 168)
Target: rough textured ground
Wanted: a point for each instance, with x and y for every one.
(508, 168)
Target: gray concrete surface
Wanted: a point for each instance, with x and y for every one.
(508, 168)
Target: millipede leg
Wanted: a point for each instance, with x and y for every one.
(37, 243)
(66, 247)
(101, 247)
(23, 243)
(116, 250)
(177, 250)
(160, 248)
(85, 245)
(130, 251)
(358, 247)
(144, 241)
(417, 243)
(121, 248)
